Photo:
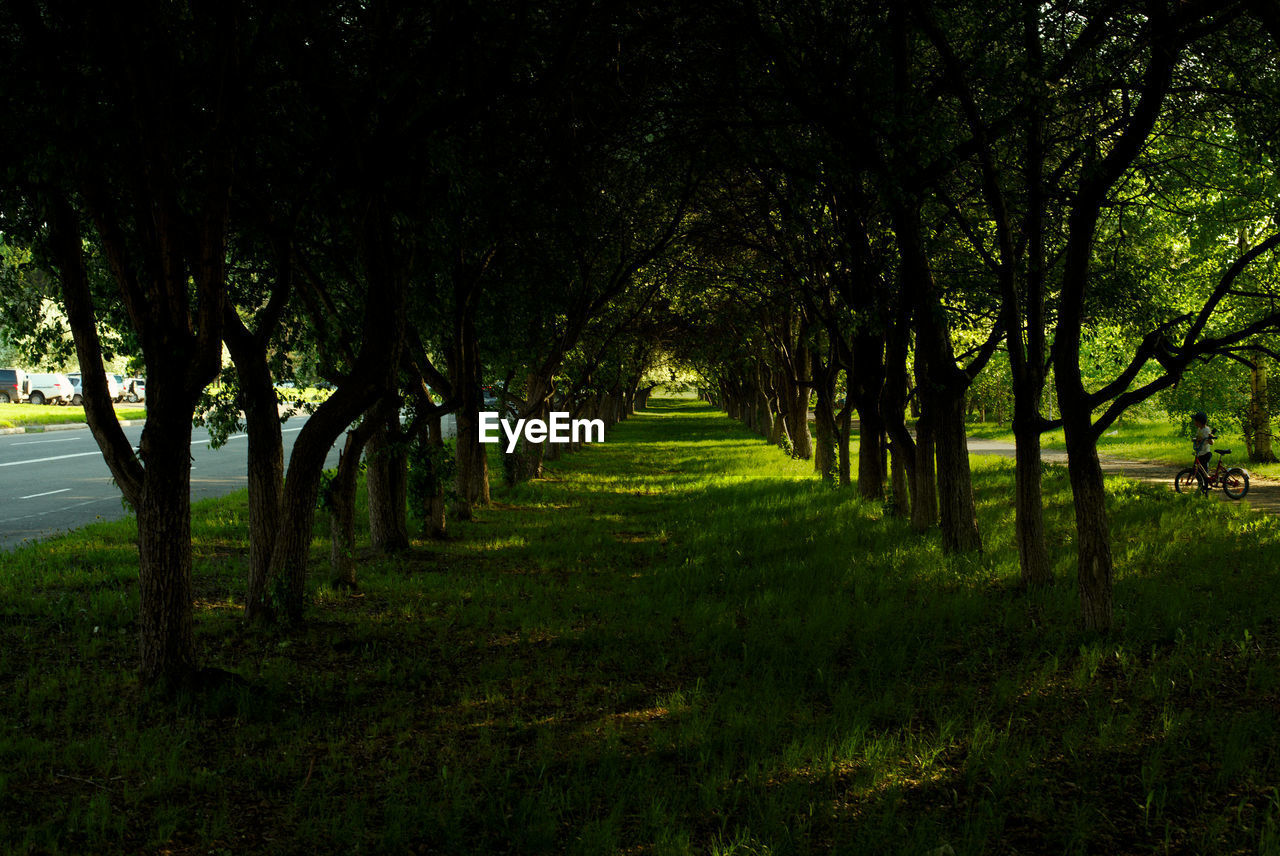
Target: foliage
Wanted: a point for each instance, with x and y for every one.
(431, 468)
(220, 408)
(1220, 388)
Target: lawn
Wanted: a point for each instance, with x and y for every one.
(678, 642)
(19, 415)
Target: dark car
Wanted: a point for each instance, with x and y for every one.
(11, 385)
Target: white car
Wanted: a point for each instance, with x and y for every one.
(48, 388)
(114, 390)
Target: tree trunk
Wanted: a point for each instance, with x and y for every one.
(898, 484)
(164, 533)
(265, 448)
(941, 388)
(824, 453)
(436, 520)
(798, 408)
(284, 593)
(823, 374)
(924, 493)
(178, 365)
(891, 407)
(866, 383)
(871, 455)
(387, 483)
(473, 460)
(473, 463)
(1093, 532)
(1023, 311)
(1033, 554)
(536, 453)
(958, 515)
(764, 410)
(843, 439)
(778, 435)
(1260, 414)
(341, 502)
(286, 586)
(372, 377)
(342, 490)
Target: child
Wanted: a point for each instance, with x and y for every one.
(1201, 440)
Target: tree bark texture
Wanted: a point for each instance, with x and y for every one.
(265, 450)
(924, 494)
(866, 387)
(958, 515)
(898, 484)
(797, 402)
(167, 646)
(342, 492)
(341, 503)
(893, 405)
(1033, 554)
(387, 484)
(1093, 531)
(473, 460)
(843, 440)
(824, 417)
(436, 518)
(1260, 414)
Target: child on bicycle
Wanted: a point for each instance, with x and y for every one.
(1201, 441)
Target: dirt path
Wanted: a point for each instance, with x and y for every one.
(1264, 494)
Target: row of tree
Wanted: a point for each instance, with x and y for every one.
(941, 182)
(856, 203)
(426, 198)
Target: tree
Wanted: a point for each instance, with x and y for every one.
(138, 147)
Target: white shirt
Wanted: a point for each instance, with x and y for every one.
(1203, 440)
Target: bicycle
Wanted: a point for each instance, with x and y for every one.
(1233, 480)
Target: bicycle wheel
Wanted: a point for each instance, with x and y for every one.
(1235, 483)
(1185, 481)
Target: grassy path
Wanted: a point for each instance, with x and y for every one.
(680, 642)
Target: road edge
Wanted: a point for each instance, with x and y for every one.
(64, 426)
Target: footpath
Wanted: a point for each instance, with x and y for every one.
(1264, 493)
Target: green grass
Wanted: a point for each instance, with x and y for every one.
(679, 642)
(20, 415)
(1157, 440)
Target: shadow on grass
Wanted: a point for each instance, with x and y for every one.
(683, 642)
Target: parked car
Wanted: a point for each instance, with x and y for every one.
(12, 383)
(114, 389)
(48, 388)
(135, 389)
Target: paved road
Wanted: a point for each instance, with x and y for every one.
(1263, 496)
(57, 480)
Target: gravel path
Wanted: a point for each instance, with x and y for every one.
(1264, 494)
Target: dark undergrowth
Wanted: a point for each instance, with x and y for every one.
(678, 642)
